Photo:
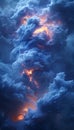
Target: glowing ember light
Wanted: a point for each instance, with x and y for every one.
(20, 117)
(29, 73)
(25, 110)
(30, 105)
(44, 25)
(43, 29)
(22, 113)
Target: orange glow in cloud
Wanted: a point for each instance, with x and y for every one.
(29, 73)
(43, 29)
(32, 99)
(20, 117)
(30, 105)
(44, 25)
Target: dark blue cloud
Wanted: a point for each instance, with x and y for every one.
(55, 109)
(32, 65)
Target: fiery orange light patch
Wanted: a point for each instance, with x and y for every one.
(29, 73)
(30, 105)
(43, 29)
(44, 25)
(24, 111)
(20, 117)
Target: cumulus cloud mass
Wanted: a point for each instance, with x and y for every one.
(37, 65)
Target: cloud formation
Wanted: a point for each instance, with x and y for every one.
(36, 47)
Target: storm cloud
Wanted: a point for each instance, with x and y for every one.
(37, 64)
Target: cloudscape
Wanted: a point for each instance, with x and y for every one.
(37, 65)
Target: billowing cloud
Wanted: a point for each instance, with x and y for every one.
(36, 53)
(55, 109)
